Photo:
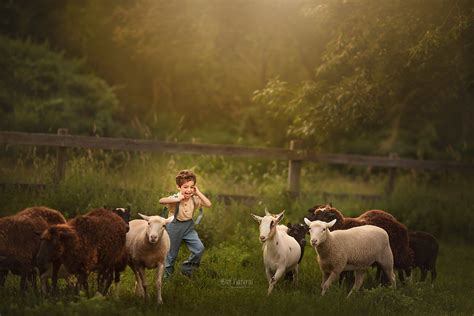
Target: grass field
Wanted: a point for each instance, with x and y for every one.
(231, 279)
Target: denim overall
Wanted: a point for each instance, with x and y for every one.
(183, 231)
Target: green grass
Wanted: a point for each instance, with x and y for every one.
(214, 289)
(442, 206)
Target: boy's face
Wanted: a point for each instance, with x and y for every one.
(187, 189)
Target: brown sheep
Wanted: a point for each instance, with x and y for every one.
(19, 242)
(51, 216)
(91, 242)
(397, 232)
(112, 266)
(426, 247)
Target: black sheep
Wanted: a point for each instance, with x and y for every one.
(425, 247)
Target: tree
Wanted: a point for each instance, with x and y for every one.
(41, 91)
(393, 74)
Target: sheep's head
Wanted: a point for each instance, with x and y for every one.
(318, 231)
(268, 224)
(52, 244)
(156, 227)
(325, 213)
(298, 231)
(124, 214)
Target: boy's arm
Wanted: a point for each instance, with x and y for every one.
(172, 199)
(204, 200)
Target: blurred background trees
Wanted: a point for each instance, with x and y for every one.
(360, 76)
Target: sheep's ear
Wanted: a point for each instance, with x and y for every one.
(169, 220)
(267, 213)
(329, 204)
(331, 223)
(144, 216)
(307, 221)
(280, 216)
(257, 218)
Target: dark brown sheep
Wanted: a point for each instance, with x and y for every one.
(91, 242)
(19, 242)
(397, 232)
(425, 247)
(51, 216)
(111, 265)
(298, 232)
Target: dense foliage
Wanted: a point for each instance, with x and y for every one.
(41, 91)
(355, 76)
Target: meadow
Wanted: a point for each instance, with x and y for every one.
(231, 279)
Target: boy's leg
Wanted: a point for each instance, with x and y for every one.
(175, 231)
(196, 248)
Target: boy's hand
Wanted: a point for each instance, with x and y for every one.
(196, 190)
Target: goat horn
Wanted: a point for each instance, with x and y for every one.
(267, 213)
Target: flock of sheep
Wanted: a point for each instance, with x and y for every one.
(346, 247)
(38, 241)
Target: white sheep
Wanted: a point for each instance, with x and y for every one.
(355, 249)
(147, 245)
(281, 252)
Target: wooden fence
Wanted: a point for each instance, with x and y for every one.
(295, 154)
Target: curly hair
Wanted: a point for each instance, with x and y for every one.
(185, 176)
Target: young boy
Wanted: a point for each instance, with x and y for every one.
(182, 206)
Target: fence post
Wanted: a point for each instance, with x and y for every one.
(392, 173)
(294, 170)
(61, 157)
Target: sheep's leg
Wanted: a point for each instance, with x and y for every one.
(108, 281)
(138, 281)
(359, 279)
(3, 276)
(388, 270)
(332, 276)
(424, 272)
(401, 275)
(141, 273)
(295, 275)
(433, 275)
(278, 274)
(34, 284)
(159, 278)
(325, 276)
(269, 274)
(54, 276)
(44, 283)
(23, 284)
(82, 282)
(116, 282)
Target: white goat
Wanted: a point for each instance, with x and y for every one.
(147, 245)
(281, 252)
(355, 249)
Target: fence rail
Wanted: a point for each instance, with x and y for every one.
(295, 154)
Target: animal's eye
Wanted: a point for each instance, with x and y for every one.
(324, 229)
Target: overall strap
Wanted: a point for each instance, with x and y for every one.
(200, 215)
